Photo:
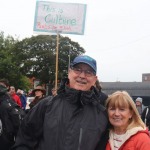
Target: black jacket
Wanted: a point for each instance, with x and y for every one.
(146, 116)
(10, 121)
(72, 120)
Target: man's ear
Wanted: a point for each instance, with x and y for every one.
(69, 70)
(95, 81)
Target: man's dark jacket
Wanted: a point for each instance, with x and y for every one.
(72, 120)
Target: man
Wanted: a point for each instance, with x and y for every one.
(9, 117)
(72, 120)
(139, 105)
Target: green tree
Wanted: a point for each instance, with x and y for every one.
(36, 56)
(8, 67)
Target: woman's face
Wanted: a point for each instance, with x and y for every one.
(38, 93)
(119, 117)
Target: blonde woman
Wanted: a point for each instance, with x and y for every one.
(127, 130)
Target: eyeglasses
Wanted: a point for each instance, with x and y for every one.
(88, 73)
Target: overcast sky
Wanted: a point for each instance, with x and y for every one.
(117, 34)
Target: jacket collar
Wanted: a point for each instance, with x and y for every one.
(84, 97)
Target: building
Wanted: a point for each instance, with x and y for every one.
(135, 89)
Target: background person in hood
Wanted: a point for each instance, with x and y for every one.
(139, 105)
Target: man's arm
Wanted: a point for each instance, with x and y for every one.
(32, 127)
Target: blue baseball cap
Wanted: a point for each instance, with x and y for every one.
(86, 60)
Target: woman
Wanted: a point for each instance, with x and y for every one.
(127, 131)
(39, 93)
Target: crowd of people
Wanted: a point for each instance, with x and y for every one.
(77, 116)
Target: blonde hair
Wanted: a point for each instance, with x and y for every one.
(123, 99)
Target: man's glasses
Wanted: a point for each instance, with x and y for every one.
(88, 73)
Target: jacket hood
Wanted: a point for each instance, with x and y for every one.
(85, 97)
(80, 97)
(129, 133)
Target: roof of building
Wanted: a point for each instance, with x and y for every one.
(133, 88)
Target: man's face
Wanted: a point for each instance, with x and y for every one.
(138, 103)
(81, 77)
(38, 93)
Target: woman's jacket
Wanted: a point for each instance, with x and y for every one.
(136, 139)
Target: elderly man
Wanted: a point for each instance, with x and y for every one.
(72, 120)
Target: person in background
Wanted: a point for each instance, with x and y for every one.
(14, 96)
(54, 91)
(127, 129)
(29, 94)
(72, 120)
(139, 105)
(22, 98)
(39, 92)
(9, 117)
(102, 96)
(146, 116)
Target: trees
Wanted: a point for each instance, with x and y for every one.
(8, 67)
(36, 56)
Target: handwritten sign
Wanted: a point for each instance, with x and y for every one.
(67, 18)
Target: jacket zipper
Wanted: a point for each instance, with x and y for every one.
(80, 138)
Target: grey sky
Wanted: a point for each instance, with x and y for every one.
(117, 34)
